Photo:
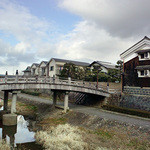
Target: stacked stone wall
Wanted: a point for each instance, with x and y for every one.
(136, 102)
(137, 91)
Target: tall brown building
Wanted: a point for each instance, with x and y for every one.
(137, 64)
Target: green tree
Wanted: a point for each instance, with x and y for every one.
(68, 70)
(75, 72)
(88, 75)
(119, 66)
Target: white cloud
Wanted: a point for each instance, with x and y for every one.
(108, 28)
(123, 18)
(29, 31)
(88, 42)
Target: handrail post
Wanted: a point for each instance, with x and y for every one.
(6, 77)
(26, 79)
(108, 87)
(36, 79)
(69, 80)
(83, 83)
(53, 78)
(16, 80)
(45, 79)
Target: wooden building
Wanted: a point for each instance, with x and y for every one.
(137, 64)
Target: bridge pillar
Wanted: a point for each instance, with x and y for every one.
(6, 100)
(54, 98)
(66, 102)
(13, 104)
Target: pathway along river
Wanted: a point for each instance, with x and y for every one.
(19, 136)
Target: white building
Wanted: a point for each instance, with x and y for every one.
(55, 65)
(43, 68)
(105, 66)
(27, 72)
(34, 69)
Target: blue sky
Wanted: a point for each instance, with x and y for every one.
(85, 30)
(49, 10)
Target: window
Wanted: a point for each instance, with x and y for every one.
(145, 72)
(43, 71)
(142, 73)
(146, 54)
(142, 56)
(61, 68)
(51, 68)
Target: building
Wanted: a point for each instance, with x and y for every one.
(43, 68)
(55, 65)
(137, 64)
(105, 66)
(34, 69)
(27, 72)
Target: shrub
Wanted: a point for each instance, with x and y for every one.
(136, 112)
(30, 92)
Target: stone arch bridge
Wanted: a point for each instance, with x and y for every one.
(16, 84)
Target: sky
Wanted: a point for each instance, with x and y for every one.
(82, 30)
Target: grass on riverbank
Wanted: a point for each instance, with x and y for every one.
(95, 132)
(63, 137)
(4, 146)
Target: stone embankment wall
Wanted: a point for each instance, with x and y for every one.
(137, 91)
(136, 98)
(136, 102)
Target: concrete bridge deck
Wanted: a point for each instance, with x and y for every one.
(16, 84)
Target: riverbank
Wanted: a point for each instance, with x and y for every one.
(98, 132)
(95, 132)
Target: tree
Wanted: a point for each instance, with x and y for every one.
(120, 68)
(75, 72)
(68, 70)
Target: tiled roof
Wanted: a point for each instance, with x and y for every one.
(77, 63)
(45, 62)
(143, 51)
(143, 67)
(135, 44)
(107, 65)
(28, 69)
(36, 64)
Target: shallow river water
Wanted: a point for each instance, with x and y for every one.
(19, 136)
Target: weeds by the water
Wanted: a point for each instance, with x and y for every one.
(53, 121)
(63, 137)
(105, 134)
(27, 106)
(4, 146)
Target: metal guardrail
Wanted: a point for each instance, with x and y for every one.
(55, 80)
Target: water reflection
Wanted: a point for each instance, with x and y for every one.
(1, 108)
(17, 134)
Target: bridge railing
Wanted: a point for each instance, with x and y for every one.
(55, 80)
